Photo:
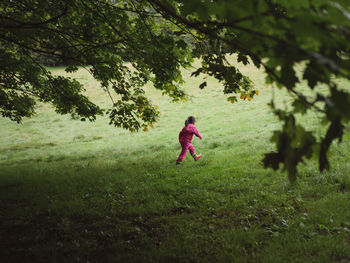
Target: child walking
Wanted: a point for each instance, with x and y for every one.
(185, 139)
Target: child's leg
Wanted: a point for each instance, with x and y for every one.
(183, 153)
(191, 149)
(193, 152)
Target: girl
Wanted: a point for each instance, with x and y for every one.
(185, 138)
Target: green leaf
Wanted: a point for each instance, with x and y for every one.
(203, 85)
(335, 130)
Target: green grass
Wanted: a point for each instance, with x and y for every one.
(88, 192)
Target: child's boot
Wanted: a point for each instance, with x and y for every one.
(196, 156)
(178, 163)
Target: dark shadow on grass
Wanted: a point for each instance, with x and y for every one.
(123, 209)
(91, 209)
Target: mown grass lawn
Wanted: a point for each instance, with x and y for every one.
(88, 192)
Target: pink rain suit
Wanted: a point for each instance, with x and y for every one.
(185, 139)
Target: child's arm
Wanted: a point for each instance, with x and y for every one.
(180, 136)
(196, 132)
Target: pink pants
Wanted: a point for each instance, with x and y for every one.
(185, 147)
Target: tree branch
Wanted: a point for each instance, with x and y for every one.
(25, 24)
(238, 46)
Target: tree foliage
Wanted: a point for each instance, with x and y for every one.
(97, 35)
(159, 37)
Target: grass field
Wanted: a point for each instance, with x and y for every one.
(87, 192)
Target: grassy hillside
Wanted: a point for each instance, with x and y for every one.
(88, 192)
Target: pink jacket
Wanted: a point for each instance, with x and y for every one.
(186, 134)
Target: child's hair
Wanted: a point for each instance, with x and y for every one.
(189, 120)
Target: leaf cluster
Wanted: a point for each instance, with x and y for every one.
(100, 36)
